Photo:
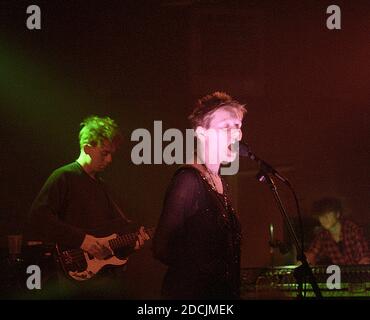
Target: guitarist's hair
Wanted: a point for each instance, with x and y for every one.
(94, 130)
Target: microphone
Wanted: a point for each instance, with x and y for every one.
(246, 152)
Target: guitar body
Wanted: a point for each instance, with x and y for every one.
(94, 265)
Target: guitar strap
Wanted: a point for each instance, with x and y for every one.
(114, 204)
(118, 209)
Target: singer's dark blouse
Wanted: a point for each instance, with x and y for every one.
(198, 238)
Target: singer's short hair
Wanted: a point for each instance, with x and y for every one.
(325, 205)
(95, 130)
(207, 105)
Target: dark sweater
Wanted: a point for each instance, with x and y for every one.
(71, 204)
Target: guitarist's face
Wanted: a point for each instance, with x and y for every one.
(101, 156)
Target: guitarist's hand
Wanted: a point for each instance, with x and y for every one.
(96, 247)
(142, 236)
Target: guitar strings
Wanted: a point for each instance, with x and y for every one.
(126, 240)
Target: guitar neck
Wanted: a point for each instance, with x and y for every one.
(123, 241)
(127, 240)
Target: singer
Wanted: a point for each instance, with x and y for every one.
(198, 235)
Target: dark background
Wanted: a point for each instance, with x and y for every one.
(307, 91)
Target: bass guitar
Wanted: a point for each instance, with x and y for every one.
(80, 265)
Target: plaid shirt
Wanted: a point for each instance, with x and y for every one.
(355, 245)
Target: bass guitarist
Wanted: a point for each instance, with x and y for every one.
(74, 201)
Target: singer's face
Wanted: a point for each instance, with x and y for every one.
(224, 130)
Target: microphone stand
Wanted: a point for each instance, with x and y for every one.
(302, 272)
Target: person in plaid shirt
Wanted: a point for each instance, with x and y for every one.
(339, 241)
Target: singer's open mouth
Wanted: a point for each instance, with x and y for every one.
(233, 146)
